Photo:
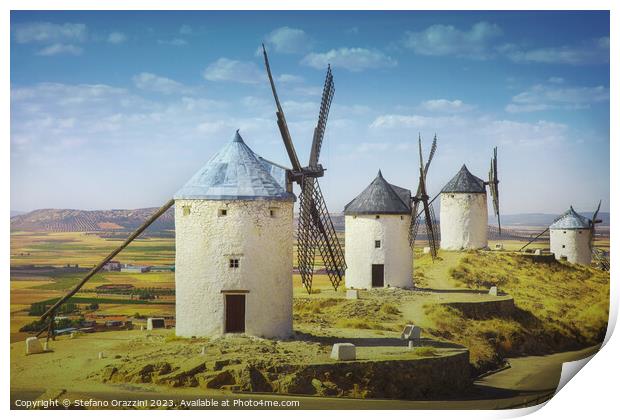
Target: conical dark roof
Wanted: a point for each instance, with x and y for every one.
(380, 197)
(570, 219)
(464, 182)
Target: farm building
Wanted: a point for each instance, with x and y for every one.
(135, 269)
(377, 248)
(112, 266)
(570, 236)
(463, 212)
(234, 242)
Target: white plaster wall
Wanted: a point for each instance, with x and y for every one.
(361, 231)
(463, 221)
(576, 245)
(205, 242)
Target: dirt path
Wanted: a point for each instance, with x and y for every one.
(438, 274)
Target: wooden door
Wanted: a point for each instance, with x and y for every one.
(235, 314)
(377, 275)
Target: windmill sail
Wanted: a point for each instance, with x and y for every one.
(493, 188)
(593, 223)
(319, 131)
(284, 132)
(315, 232)
(428, 212)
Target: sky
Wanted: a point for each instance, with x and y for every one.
(120, 109)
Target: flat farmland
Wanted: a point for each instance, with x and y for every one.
(43, 267)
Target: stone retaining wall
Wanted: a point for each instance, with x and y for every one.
(486, 309)
(427, 378)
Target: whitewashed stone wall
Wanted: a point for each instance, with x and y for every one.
(463, 221)
(574, 244)
(361, 231)
(206, 241)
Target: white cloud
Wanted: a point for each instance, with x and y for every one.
(447, 40)
(56, 49)
(353, 59)
(484, 129)
(47, 33)
(175, 42)
(185, 30)
(117, 38)
(414, 121)
(591, 52)
(525, 133)
(290, 78)
(225, 69)
(543, 97)
(154, 83)
(289, 40)
(446, 105)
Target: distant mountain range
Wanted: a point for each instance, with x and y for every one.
(540, 219)
(63, 220)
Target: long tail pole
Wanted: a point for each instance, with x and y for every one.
(536, 237)
(107, 259)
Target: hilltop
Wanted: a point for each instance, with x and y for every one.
(67, 220)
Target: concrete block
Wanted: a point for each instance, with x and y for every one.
(155, 323)
(493, 291)
(427, 250)
(343, 351)
(538, 252)
(352, 294)
(499, 247)
(411, 332)
(33, 346)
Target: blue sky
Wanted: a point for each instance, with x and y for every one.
(119, 109)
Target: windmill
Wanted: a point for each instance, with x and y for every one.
(593, 223)
(422, 197)
(315, 232)
(493, 188)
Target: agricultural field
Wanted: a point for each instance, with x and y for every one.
(39, 273)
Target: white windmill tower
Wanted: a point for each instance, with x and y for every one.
(377, 247)
(571, 236)
(234, 241)
(463, 214)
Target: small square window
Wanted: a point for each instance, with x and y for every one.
(377, 244)
(563, 246)
(564, 232)
(223, 212)
(272, 212)
(186, 210)
(377, 216)
(233, 263)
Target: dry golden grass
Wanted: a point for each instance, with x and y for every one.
(560, 307)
